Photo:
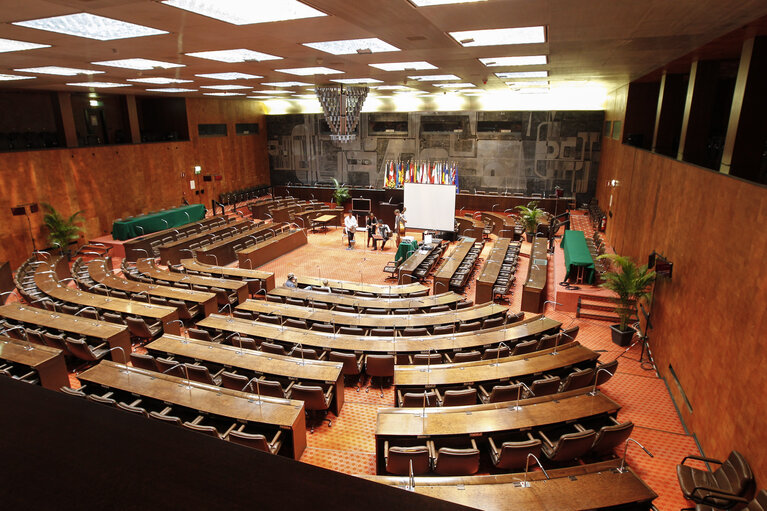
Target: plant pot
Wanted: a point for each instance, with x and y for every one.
(621, 337)
(529, 237)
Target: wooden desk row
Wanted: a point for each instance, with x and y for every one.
(305, 218)
(46, 361)
(173, 251)
(256, 279)
(148, 268)
(380, 290)
(208, 399)
(503, 226)
(450, 266)
(450, 299)
(534, 289)
(406, 271)
(487, 279)
(470, 227)
(455, 317)
(225, 251)
(266, 251)
(144, 245)
(312, 372)
(594, 486)
(382, 345)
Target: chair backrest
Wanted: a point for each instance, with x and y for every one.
(427, 358)
(501, 393)
(312, 396)
(398, 460)
(138, 327)
(548, 342)
(170, 419)
(322, 327)
(267, 388)
(143, 361)
(736, 472)
(270, 347)
(457, 462)
(199, 373)
(319, 305)
(200, 334)
(545, 386)
(132, 409)
(351, 330)
(101, 399)
(349, 360)
(307, 353)
(55, 341)
(295, 301)
(274, 298)
(415, 332)
(467, 356)
(183, 310)
(382, 332)
(245, 343)
(419, 399)
(491, 353)
(460, 397)
(609, 437)
(578, 380)
(572, 332)
(514, 317)
(469, 327)
(112, 317)
(603, 376)
(80, 349)
(513, 455)
(374, 310)
(465, 304)
(206, 430)
(268, 318)
(439, 308)
(493, 322)
(172, 367)
(379, 365)
(444, 329)
(296, 323)
(523, 348)
(233, 381)
(243, 314)
(249, 440)
(344, 308)
(572, 445)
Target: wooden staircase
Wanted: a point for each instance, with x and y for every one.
(601, 308)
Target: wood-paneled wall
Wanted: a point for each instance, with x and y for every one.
(112, 182)
(710, 319)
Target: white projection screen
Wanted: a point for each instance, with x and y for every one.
(430, 206)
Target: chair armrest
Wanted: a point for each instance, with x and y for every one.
(716, 494)
(276, 437)
(530, 436)
(228, 430)
(493, 447)
(290, 387)
(399, 398)
(474, 444)
(322, 355)
(216, 375)
(103, 345)
(447, 357)
(432, 450)
(700, 458)
(482, 391)
(545, 438)
(386, 452)
(439, 396)
(329, 394)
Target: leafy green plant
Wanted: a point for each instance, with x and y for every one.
(63, 230)
(530, 216)
(341, 194)
(630, 282)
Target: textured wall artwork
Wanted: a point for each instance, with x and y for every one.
(527, 152)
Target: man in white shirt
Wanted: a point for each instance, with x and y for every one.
(350, 225)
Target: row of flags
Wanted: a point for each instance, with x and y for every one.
(427, 172)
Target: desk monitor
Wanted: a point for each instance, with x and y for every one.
(361, 204)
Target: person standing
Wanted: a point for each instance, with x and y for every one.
(399, 224)
(350, 226)
(370, 223)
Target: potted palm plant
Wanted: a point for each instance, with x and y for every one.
(62, 231)
(631, 283)
(530, 216)
(341, 194)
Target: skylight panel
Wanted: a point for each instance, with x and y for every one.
(159, 80)
(500, 36)
(354, 81)
(307, 71)
(529, 60)
(172, 90)
(99, 85)
(404, 66)
(8, 78)
(90, 26)
(7, 45)
(138, 64)
(287, 84)
(234, 56)
(61, 71)
(433, 78)
(248, 12)
(225, 87)
(230, 76)
(523, 74)
(350, 46)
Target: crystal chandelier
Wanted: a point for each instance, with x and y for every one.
(342, 106)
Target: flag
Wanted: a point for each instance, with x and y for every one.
(454, 172)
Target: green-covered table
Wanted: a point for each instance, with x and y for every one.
(405, 250)
(126, 229)
(577, 254)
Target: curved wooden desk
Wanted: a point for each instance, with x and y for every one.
(225, 403)
(534, 288)
(356, 287)
(491, 269)
(223, 252)
(373, 320)
(266, 278)
(148, 268)
(353, 343)
(174, 250)
(313, 372)
(365, 302)
(503, 225)
(584, 487)
(470, 226)
(46, 361)
(272, 248)
(451, 264)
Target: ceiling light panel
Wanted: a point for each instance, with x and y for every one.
(225, 87)
(223, 93)
(99, 85)
(356, 81)
(8, 78)
(350, 46)
(392, 87)
(272, 91)
(523, 74)
(428, 3)
(453, 85)
(90, 26)
(138, 64)
(404, 66)
(533, 83)
(433, 78)
(56, 70)
(530, 60)
(287, 84)
(248, 12)
(7, 45)
(261, 97)
(158, 80)
(500, 36)
(234, 56)
(230, 76)
(308, 71)
(172, 90)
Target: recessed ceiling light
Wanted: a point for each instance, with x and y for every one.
(523, 74)
(11, 45)
(498, 36)
(139, 64)
(172, 89)
(453, 85)
(61, 71)
(529, 60)
(90, 26)
(230, 76)
(234, 56)
(352, 81)
(349, 46)
(99, 85)
(404, 66)
(427, 3)
(247, 12)
(391, 87)
(8, 78)
(306, 71)
(533, 83)
(223, 93)
(273, 91)
(433, 78)
(158, 80)
(286, 84)
(225, 87)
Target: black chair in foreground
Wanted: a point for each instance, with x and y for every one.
(732, 477)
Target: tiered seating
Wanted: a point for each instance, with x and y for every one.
(148, 246)
(456, 270)
(174, 250)
(223, 251)
(243, 195)
(497, 276)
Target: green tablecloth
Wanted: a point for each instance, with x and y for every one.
(577, 254)
(126, 229)
(405, 250)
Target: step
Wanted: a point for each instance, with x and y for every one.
(588, 315)
(596, 307)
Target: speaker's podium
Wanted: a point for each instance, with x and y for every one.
(386, 212)
(360, 209)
